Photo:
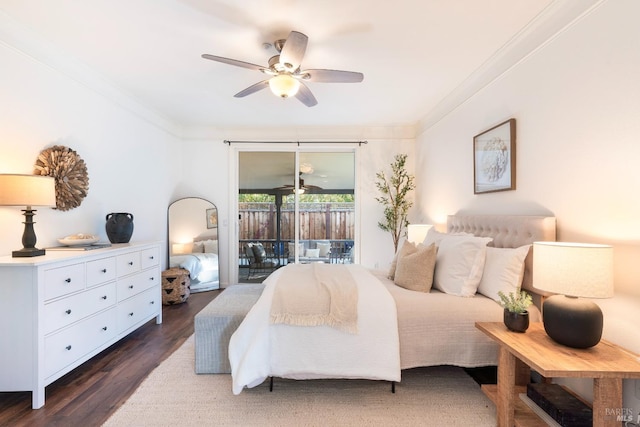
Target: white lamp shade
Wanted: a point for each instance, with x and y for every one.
(284, 86)
(573, 269)
(417, 232)
(27, 190)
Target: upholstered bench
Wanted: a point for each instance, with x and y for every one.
(215, 324)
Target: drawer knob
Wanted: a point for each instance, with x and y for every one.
(151, 257)
(104, 270)
(68, 347)
(104, 328)
(153, 302)
(68, 311)
(131, 314)
(104, 297)
(151, 278)
(130, 286)
(130, 262)
(68, 280)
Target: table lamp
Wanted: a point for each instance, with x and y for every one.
(27, 190)
(417, 232)
(573, 270)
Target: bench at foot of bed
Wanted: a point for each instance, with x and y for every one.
(215, 324)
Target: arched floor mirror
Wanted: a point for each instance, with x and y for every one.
(193, 241)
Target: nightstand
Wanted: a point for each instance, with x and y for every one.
(606, 363)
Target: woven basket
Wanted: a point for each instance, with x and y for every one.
(175, 286)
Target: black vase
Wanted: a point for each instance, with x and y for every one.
(119, 227)
(516, 322)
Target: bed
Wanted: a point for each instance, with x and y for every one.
(435, 326)
(200, 258)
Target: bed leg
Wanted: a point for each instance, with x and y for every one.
(270, 383)
(393, 386)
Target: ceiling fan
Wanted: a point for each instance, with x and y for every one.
(301, 186)
(286, 77)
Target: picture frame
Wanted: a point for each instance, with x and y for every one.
(494, 159)
(212, 218)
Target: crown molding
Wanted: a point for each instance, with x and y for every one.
(25, 42)
(546, 26)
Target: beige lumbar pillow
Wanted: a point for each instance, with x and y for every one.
(414, 271)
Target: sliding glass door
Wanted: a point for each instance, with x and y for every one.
(294, 206)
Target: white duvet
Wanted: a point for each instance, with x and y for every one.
(258, 349)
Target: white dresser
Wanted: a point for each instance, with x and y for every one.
(59, 310)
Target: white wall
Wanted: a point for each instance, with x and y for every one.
(577, 105)
(129, 160)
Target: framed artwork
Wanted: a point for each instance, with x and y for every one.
(212, 218)
(494, 159)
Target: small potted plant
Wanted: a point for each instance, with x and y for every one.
(516, 316)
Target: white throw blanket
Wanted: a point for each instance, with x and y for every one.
(259, 349)
(315, 295)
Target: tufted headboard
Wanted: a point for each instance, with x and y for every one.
(508, 231)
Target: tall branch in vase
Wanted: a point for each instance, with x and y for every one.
(395, 191)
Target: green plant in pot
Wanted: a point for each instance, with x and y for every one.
(516, 315)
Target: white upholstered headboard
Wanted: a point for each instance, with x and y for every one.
(508, 231)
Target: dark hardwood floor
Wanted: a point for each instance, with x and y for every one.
(88, 395)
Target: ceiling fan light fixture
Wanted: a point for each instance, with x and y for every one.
(284, 86)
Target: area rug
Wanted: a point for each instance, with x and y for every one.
(174, 395)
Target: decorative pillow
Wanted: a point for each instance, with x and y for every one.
(434, 236)
(198, 248)
(312, 253)
(406, 249)
(459, 264)
(324, 249)
(210, 246)
(414, 271)
(503, 271)
(292, 248)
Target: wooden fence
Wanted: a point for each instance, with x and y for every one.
(318, 221)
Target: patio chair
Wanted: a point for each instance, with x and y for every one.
(259, 261)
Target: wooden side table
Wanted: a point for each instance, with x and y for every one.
(606, 363)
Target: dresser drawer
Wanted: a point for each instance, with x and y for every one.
(128, 263)
(101, 271)
(136, 309)
(69, 345)
(149, 257)
(63, 312)
(133, 285)
(63, 280)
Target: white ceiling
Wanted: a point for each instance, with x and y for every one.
(416, 55)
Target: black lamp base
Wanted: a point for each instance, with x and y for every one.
(28, 237)
(27, 252)
(571, 321)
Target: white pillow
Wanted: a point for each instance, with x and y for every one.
(459, 264)
(312, 253)
(324, 249)
(434, 236)
(210, 246)
(503, 271)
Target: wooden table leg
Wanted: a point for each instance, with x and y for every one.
(506, 388)
(607, 401)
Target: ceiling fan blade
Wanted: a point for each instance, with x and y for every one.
(233, 62)
(293, 50)
(305, 96)
(252, 89)
(332, 76)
